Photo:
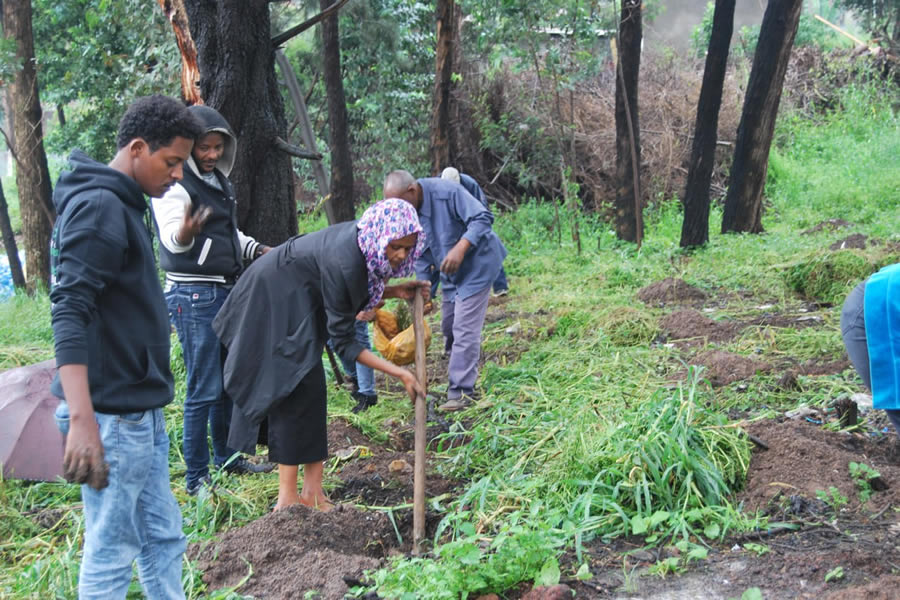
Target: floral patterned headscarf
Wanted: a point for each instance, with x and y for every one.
(381, 224)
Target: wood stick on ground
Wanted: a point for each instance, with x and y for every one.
(419, 468)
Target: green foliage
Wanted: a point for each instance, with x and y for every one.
(827, 278)
(701, 34)
(91, 63)
(862, 474)
(473, 565)
(25, 333)
(834, 574)
(833, 498)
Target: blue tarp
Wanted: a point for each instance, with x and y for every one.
(6, 283)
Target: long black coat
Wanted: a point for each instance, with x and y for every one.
(277, 318)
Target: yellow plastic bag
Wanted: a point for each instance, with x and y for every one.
(400, 349)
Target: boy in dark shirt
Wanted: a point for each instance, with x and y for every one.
(111, 331)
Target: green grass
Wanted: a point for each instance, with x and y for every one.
(587, 429)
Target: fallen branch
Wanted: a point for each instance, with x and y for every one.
(296, 150)
(283, 37)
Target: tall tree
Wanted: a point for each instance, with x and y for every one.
(443, 79)
(743, 203)
(628, 207)
(32, 174)
(695, 227)
(237, 77)
(341, 200)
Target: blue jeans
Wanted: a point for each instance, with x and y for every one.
(136, 516)
(365, 377)
(192, 308)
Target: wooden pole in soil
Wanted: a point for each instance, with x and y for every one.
(419, 468)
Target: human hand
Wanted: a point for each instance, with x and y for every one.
(407, 290)
(412, 385)
(192, 223)
(83, 461)
(454, 258)
(366, 315)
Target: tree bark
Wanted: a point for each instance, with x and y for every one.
(237, 78)
(695, 226)
(9, 243)
(340, 205)
(629, 224)
(190, 73)
(743, 203)
(440, 115)
(32, 174)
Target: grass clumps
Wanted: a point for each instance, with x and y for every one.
(827, 278)
(627, 326)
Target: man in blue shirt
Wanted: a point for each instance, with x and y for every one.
(461, 244)
(501, 285)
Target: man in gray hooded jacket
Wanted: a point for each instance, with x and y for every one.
(202, 252)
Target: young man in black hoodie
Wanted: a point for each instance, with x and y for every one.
(202, 252)
(111, 332)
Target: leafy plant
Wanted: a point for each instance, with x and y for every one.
(832, 498)
(757, 549)
(862, 474)
(834, 574)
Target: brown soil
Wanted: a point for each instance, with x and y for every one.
(690, 327)
(723, 367)
(671, 291)
(830, 224)
(857, 240)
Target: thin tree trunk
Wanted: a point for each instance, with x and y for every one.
(237, 78)
(695, 227)
(341, 201)
(629, 224)
(743, 203)
(32, 174)
(9, 243)
(190, 73)
(440, 115)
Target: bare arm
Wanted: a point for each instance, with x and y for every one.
(368, 358)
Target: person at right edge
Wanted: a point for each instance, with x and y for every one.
(202, 252)
(111, 333)
(870, 328)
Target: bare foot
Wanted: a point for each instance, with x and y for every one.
(288, 500)
(318, 502)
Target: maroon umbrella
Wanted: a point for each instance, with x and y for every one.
(31, 446)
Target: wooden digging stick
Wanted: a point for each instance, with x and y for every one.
(419, 469)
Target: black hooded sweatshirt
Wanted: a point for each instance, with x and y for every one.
(108, 311)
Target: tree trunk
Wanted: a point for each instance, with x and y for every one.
(695, 227)
(341, 201)
(32, 174)
(440, 115)
(237, 78)
(629, 224)
(743, 203)
(9, 243)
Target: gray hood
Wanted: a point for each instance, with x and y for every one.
(213, 121)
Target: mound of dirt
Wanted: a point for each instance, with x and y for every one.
(857, 240)
(723, 367)
(830, 224)
(804, 458)
(692, 325)
(295, 550)
(671, 290)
